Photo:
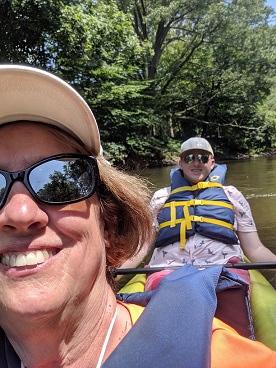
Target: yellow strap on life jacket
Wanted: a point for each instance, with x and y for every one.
(206, 202)
(173, 205)
(186, 221)
(200, 185)
(212, 221)
(196, 202)
(184, 227)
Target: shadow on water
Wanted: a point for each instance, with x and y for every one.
(256, 179)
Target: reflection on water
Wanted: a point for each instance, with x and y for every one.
(256, 179)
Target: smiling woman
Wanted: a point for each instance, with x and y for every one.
(67, 218)
(63, 224)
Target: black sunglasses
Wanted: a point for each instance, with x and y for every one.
(57, 180)
(188, 159)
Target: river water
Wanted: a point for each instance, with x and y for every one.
(256, 179)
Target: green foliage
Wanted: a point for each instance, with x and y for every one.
(156, 72)
(211, 80)
(25, 29)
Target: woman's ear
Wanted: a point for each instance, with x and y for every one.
(107, 238)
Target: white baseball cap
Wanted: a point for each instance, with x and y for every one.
(28, 93)
(196, 143)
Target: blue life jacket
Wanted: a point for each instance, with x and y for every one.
(203, 208)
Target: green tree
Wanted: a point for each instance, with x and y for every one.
(26, 29)
(90, 44)
(155, 72)
(210, 64)
(102, 58)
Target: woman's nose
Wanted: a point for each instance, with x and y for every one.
(21, 212)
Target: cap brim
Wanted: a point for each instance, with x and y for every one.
(192, 149)
(28, 93)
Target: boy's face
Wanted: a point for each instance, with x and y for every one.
(197, 170)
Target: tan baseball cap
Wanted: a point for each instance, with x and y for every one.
(196, 143)
(28, 93)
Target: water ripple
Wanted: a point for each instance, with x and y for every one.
(248, 196)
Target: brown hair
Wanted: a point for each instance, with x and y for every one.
(125, 210)
(125, 207)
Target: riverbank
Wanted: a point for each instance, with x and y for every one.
(142, 163)
(220, 157)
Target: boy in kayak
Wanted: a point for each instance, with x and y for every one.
(200, 221)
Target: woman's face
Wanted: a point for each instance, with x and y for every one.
(71, 235)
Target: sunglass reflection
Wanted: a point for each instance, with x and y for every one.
(188, 159)
(55, 180)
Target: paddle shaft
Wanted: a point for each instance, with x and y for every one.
(150, 270)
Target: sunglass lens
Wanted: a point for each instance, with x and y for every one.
(204, 158)
(3, 185)
(188, 159)
(63, 180)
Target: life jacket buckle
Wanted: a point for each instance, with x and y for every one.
(202, 185)
(198, 202)
(197, 218)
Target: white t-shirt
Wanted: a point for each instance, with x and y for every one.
(200, 250)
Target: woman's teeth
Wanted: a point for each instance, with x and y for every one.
(25, 259)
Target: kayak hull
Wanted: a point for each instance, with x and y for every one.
(263, 306)
(262, 300)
